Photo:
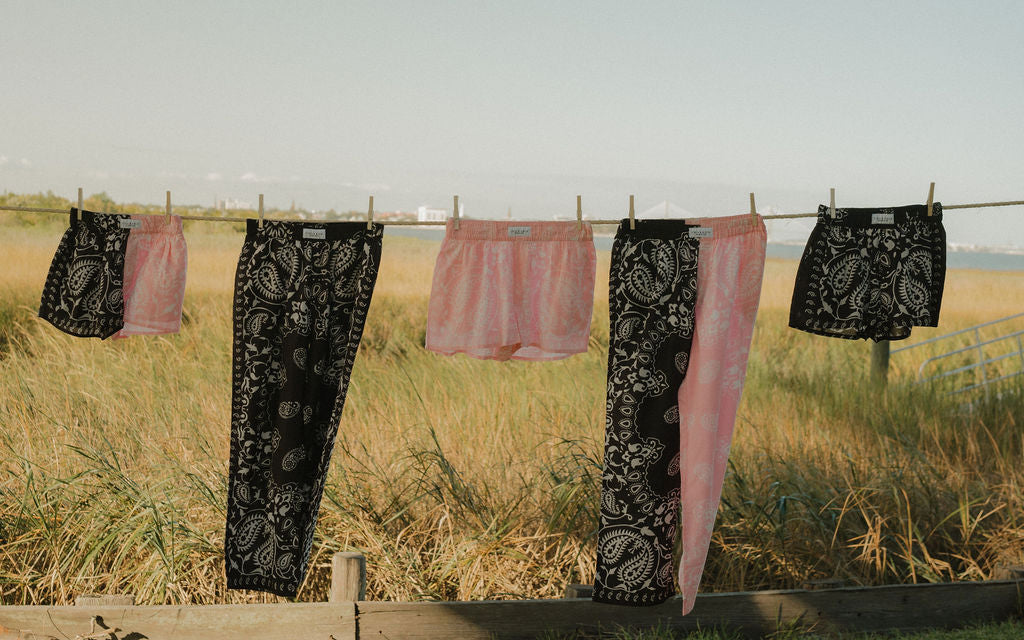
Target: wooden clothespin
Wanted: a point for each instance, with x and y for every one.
(369, 215)
(632, 214)
(579, 212)
(260, 224)
(832, 202)
(931, 197)
(168, 208)
(455, 211)
(753, 207)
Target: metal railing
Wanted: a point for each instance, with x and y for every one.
(1009, 348)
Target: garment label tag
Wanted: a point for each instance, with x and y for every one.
(883, 218)
(701, 232)
(518, 232)
(130, 223)
(314, 234)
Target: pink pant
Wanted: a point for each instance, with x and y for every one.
(519, 290)
(155, 262)
(729, 271)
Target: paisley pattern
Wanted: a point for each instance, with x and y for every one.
(84, 290)
(652, 296)
(682, 319)
(863, 277)
(299, 310)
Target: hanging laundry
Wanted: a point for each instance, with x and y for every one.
(730, 269)
(155, 265)
(871, 273)
(513, 290)
(682, 300)
(302, 291)
(83, 294)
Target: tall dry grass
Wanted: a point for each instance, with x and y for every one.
(463, 479)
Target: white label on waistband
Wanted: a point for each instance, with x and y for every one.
(129, 223)
(883, 218)
(701, 232)
(314, 234)
(518, 232)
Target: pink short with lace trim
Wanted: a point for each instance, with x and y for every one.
(513, 290)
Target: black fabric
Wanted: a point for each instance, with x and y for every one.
(84, 290)
(299, 310)
(863, 277)
(652, 299)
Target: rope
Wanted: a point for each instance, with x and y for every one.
(441, 223)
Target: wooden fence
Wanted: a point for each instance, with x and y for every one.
(753, 614)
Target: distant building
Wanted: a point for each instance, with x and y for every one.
(233, 203)
(427, 214)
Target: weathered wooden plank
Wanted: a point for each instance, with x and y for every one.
(317, 621)
(824, 583)
(903, 607)
(348, 577)
(97, 600)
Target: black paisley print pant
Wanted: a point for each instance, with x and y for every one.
(871, 273)
(84, 290)
(302, 292)
(652, 299)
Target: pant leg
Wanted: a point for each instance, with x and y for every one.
(652, 294)
(300, 307)
(729, 277)
(351, 279)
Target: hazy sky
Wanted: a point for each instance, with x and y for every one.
(521, 104)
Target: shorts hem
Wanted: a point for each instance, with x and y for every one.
(260, 583)
(83, 330)
(488, 352)
(861, 334)
(631, 599)
(147, 331)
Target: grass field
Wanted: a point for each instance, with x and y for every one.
(463, 479)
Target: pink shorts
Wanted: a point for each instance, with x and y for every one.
(519, 290)
(155, 261)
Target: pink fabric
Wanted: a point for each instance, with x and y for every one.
(729, 271)
(519, 290)
(155, 262)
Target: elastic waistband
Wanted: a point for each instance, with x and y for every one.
(158, 225)
(288, 229)
(522, 231)
(864, 217)
(95, 219)
(653, 229)
(725, 226)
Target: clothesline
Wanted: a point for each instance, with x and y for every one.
(441, 223)
(685, 305)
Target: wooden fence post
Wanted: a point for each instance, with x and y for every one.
(348, 577)
(880, 361)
